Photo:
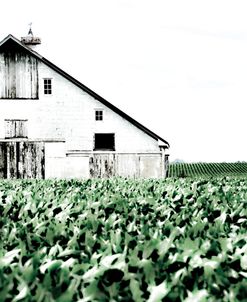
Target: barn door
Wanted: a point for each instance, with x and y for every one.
(8, 160)
(102, 165)
(31, 161)
(22, 160)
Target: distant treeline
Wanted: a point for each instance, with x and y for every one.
(207, 169)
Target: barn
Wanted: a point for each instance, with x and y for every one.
(53, 126)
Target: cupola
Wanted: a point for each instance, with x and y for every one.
(30, 40)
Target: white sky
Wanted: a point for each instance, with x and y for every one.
(178, 67)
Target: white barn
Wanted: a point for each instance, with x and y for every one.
(53, 126)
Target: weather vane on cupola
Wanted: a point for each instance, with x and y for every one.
(30, 40)
(30, 32)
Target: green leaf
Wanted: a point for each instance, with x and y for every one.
(91, 274)
(51, 265)
(149, 270)
(158, 292)
(108, 260)
(197, 296)
(135, 290)
(66, 296)
(243, 261)
(9, 257)
(23, 292)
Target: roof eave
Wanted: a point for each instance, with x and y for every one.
(104, 101)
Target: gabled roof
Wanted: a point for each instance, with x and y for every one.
(11, 38)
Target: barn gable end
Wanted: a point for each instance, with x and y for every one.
(83, 134)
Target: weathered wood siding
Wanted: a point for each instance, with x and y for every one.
(22, 160)
(104, 165)
(11, 160)
(128, 165)
(3, 160)
(31, 160)
(18, 75)
(15, 128)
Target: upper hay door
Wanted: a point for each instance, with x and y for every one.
(18, 73)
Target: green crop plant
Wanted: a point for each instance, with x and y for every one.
(123, 240)
(182, 170)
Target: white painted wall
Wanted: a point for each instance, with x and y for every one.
(69, 114)
(55, 160)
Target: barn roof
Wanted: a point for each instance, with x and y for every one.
(11, 39)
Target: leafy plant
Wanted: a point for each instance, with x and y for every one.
(123, 240)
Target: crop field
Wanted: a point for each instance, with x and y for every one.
(124, 240)
(207, 169)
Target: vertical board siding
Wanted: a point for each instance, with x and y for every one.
(3, 160)
(11, 160)
(22, 160)
(166, 164)
(21, 128)
(31, 160)
(18, 76)
(102, 165)
(15, 128)
(9, 128)
(126, 165)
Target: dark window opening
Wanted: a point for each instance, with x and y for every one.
(104, 141)
(99, 115)
(47, 86)
(15, 128)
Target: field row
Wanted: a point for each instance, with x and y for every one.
(207, 169)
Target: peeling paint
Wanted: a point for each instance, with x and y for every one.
(18, 75)
(22, 160)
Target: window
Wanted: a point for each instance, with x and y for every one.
(99, 115)
(104, 141)
(15, 128)
(47, 86)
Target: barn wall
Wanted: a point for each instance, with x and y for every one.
(69, 114)
(111, 164)
(76, 121)
(77, 166)
(55, 160)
